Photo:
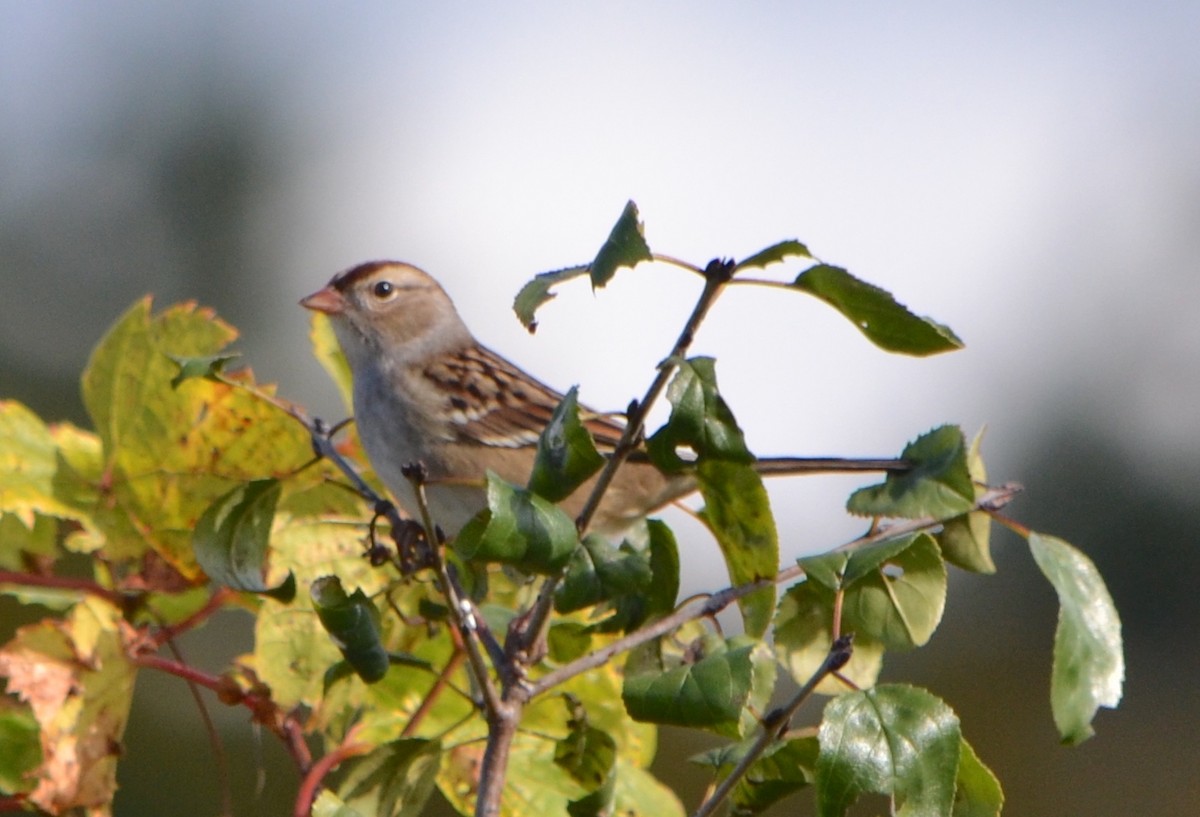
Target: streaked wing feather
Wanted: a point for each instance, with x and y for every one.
(491, 402)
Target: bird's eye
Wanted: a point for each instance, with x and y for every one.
(383, 289)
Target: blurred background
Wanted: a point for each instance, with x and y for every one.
(1028, 174)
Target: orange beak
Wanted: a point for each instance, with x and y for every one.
(327, 300)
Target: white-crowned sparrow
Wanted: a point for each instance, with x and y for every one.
(426, 391)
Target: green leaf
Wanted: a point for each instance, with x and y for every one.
(977, 791)
(537, 292)
(566, 454)
(893, 740)
(791, 248)
(637, 584)
(205, 367)
(803, 637)
(938, 483)
(232, 537)
(22, 751)
(886, 323)
(626, 247)
(394, 780)
(965, 540)
(895, 596)
(1089, 661)
(353, 623)
(785, 767)
(719, 692)
(700, 421)
(518, 528)
(738, 512)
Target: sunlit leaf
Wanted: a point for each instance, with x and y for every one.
(803, 638)
(893, 740)
(1089, 660)
(233, 535)
(899, 599)
(626, 247)
(965, 540)
(566, 454)
(885, 322)
(977, 791)
(169, 453)
(937, 484)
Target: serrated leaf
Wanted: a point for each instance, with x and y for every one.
(566, 453)
(1089, 660)
(537, 292)
(714, 693)
(894, 740)
(30, 500)
(205, 367)
(232, 538)
(937, 484)
(965, 540)
(626, 247)
(353, 623)
(636, 584)
(899, 599)
(885, 322)
(394, 780)
(738, 512)
(169, 453)
(701, 422)
(803, 637)
(791, 248)
(977, 792)
(518, 528)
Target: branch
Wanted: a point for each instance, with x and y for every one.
(839, 654)
(316, 775)
(992, 500)
(716, 275)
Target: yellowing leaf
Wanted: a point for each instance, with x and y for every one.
(168, 452)
(76, 678)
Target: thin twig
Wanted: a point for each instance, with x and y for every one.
(711, 605)
(311, 784)
(775, 723)
(716, 275)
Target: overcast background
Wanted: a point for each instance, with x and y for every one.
(1028, 175)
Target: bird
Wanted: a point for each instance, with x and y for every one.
(426, 391)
